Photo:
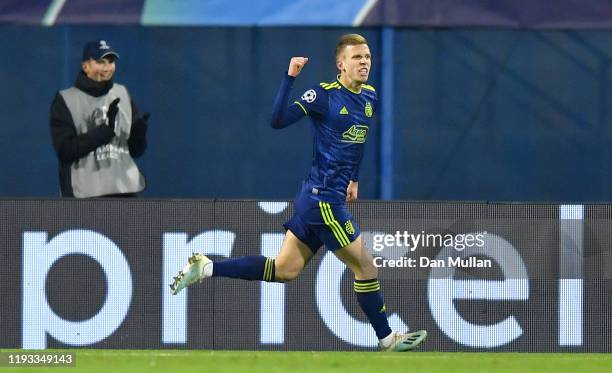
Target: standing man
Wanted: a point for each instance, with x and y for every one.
(96, 131)
(341, 113)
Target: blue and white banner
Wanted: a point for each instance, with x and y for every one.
(420, 13)
(477, 277)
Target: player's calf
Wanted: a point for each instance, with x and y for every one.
(199, 267)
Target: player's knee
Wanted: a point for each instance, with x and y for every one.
(286, 269)
(286, 274)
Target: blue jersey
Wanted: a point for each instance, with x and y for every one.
(341, 120)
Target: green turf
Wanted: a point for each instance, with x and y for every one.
(116, 361)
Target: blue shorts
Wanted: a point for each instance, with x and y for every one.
(317, 222)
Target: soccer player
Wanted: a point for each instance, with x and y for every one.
(342, 114)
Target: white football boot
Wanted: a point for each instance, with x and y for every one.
(404, 341)
(194, 271)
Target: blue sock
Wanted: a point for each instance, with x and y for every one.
(371, 301)
(253, 268)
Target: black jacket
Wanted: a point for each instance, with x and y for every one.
(70, 147)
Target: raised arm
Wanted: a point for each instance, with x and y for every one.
(284, 115)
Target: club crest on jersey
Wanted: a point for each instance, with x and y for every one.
(368, 110)
(309, 96)
(356, 134)
(348, 226)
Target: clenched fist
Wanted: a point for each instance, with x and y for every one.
(295, 65)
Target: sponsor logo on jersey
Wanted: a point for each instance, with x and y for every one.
(368, 110)
(343, 111)
(356, 134)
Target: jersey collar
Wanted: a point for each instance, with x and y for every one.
(350, 90)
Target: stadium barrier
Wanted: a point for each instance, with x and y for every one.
(477, 276)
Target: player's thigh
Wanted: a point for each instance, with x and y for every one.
(357, 257)
(293, 257)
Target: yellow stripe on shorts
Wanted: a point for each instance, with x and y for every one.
(336, 223)
(328, 218)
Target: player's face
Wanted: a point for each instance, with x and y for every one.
(355, 63)
(99, 70)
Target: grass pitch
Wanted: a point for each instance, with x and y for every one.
(116, 361)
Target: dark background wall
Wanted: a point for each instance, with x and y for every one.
(503, 115)
(478, 114)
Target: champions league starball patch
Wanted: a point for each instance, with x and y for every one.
(309, 96)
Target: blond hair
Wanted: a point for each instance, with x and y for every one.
(348, 39)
